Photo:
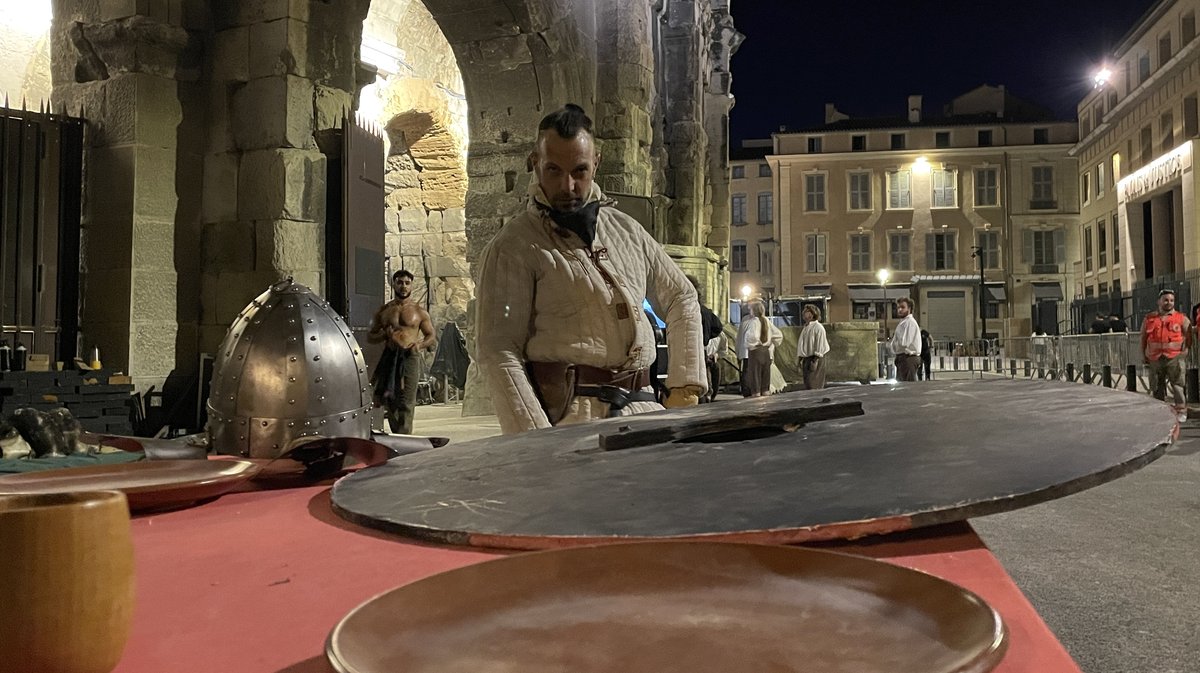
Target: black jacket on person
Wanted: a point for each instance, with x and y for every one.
(712, 324)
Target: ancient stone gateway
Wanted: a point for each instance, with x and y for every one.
(210, 121)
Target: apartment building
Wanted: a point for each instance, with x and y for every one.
(927, 198)
(753, 254)
(1137, 229)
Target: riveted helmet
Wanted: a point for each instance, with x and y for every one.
(288, 368)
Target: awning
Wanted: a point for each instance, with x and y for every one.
(877, 293)
(1047, 291)
(818, 290)
(997, 293)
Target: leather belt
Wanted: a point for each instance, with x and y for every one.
(632, 379)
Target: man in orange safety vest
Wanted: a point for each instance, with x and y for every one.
(1164, 344)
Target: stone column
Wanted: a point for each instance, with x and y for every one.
(122, 65)
(624, 96)
(282, 79)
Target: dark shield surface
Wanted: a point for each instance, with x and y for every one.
(754, 470)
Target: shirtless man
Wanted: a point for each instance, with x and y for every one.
(406, 328)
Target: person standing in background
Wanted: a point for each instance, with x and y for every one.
(758, 338)
(811, 347)
(906, 342)
(926, 357)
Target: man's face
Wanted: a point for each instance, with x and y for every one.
(902, 310)
(565, 168)
(1166, 303)
(403, 286)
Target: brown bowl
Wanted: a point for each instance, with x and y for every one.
(702, 607)
(66, 581)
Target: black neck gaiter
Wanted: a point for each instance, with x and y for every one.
(582, 220)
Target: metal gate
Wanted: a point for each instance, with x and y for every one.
(945, 313)
(41, 167)
(354, 237)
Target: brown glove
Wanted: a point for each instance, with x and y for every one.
(687, 396)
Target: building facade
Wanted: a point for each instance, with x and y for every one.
(1137, 228)
(925, 199)
(753, 249)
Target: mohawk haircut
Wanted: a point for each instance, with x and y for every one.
(567, 122)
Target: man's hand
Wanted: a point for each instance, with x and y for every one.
(687, 396)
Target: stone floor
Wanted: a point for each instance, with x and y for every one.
(1114, 570)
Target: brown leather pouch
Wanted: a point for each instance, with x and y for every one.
(554, 383)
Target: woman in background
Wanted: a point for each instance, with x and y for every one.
(757, 337)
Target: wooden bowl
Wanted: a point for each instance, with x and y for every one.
(700, 607)
(66, 581)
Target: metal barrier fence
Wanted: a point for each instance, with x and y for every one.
(1111, 360)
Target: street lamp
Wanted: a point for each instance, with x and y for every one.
(883, 275)
(746, 292)
(978, 254)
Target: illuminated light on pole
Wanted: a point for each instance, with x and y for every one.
(883, 275)
(1101, 77)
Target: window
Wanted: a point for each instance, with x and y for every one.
(1041, 136)
(873, 310)
(739, 172)
(738, 262)
(860, 191)
(766, 261)
(900, 250)
(941, 139)
(739, 209)
(898, 141)
(1164, 49)
(1044, 250)
(814, 192)
(1147, 146)
(1085, 187)
(814, 253)
(764, 170)
(1087, 249)
(985, 138)
(1043, 187)
(1167, 124)
(1098, 114)
(939, 251)
(1116, 241)
(989, 243)
(765, 208)
(1143, 67)
(1116, 170)
(860, 252)
(1128, 77)
(1099, 179)
(899, 189)
(1187, 28)
(858, 143)
(1102, 242)
(814, 145)
(1191, 125)
(985, 187)
(945, 188)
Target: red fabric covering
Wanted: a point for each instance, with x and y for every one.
(254, 582)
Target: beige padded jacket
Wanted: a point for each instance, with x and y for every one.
(541, 298)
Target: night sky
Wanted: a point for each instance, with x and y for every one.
(867, 56)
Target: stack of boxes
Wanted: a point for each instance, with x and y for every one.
(100, 400)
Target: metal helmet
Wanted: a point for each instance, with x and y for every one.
(289, 368)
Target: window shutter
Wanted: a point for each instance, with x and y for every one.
(1027, 246)
(930, 252)
(1060, 246)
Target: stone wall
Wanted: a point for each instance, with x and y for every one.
(125, 72)
(417, 98)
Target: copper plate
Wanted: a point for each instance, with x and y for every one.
(701, 607)
(153, 484)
